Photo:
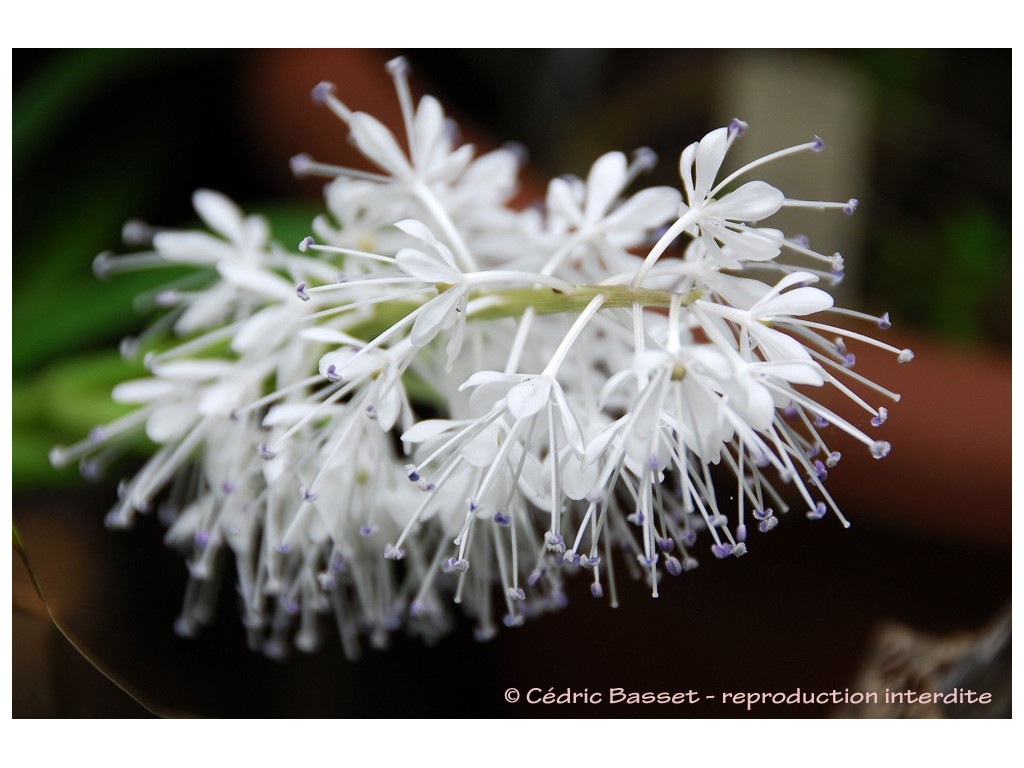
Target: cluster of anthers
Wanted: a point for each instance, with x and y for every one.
(438, 398)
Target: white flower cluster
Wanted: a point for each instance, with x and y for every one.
(442, 399)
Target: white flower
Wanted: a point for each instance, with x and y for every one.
(551, 413)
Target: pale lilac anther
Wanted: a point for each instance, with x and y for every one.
(737, 127)
(228, 487)
(636, 518)
(332, 373)
(306, 243)
(819, 144)
(518, 151)
(689, 563)
(655, 464)
(502, 519)
(673, 566)
(833, 459)
(202, 538)
(512, 620)
(368, 530)
(301, 164)
(764, 514)
(416, 608)
(905, 356)
(818, 512)
(554, 542)
(91, 468)
(322, 91)
(741, 533)
(265, 452)
(645, 158)
(884, 323)
(820, 422)
(841, 346)
(768, 524)
(879, 420)
(648, 562)
(802, 240)
(301, 292)
(392, 552)
(398, 66)
(571, 557)
(880, 449)
(820, 470)
(688, 538)
(790, 411)
(308, 495)
(410, 469)
(284, 548)
(852, 204)
(535, 576)
(596, 590)
(849, 360)
(370, 411)
(666, 545)
(721, 550)
(515, 593)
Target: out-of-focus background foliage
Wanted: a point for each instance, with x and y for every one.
(102, 137)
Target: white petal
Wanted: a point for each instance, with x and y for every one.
(142, 390)
(429, 130)
(388, 408)
(686, 173)
(429, 269)
(417, 229)
(570, 424)
(530, 396)
(482, 449)
(489, 377)
(604, 184)
(799, 301)
(329, 336)
(220, 214)
(751, 245)
(378, 144)
(170, 422)
(257, 280)
(578, 480)
(428, 429)
(255, 332)
(220, 398)
(191, 247)
(647, 209)
(709, 156)
(435, 316)
(753, 201)
(600, 443)
(194, 370)
(562, 203)
(287, 414)
(210, 308)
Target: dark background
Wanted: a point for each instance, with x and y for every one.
(105, 136)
